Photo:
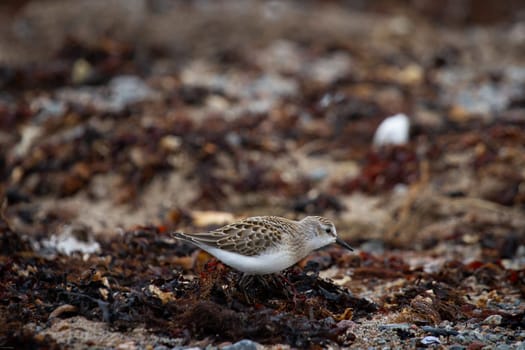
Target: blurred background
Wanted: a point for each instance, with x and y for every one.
(32, 31)
(122, 120)
(132, 112)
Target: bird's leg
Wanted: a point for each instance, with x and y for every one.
(286, 285)
(245, 281)
(289, 289)
(263, 279)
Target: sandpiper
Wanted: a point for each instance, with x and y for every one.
(265, 244)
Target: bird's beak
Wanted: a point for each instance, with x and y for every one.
(343, 243)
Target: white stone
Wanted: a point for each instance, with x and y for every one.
(393, 130)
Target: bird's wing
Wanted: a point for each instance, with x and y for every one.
(248, 237)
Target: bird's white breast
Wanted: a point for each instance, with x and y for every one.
(271, 262)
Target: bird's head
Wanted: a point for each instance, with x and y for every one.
(320, 231)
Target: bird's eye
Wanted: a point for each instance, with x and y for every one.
(328, 230)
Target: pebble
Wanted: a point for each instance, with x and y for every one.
(161, 347)
(493, 320)
(493, 337)
(460, 338)
(393, 130)
(472, 336)
(373, 246)
(121, 92)
(503, 347)
(127, 90)
(476, 345)
(430, 340)
(456, 347)
(403, 326)
(244, 344)
(318, 174)
(439, 331)
(328, 69)
(47, 108)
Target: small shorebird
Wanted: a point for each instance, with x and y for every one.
(265, 244)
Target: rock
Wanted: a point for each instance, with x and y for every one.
(373, 246)
(282, 56)
(317, 174)
(121, 92)
(402, 326)
(494, 337)
(410, 75)
(503, 347)
(46, 108)
(129, 345)
(393, 130)
(328, 69)
(30, 135)
(244, 344)
(171, 143)
(430, 340)
(473, 336)
(127, 90)
(70, 240)
(81, 72)
(476, 345)
(207, 218)
(439, 331)
(459, 338)
(272, 86)
(493, 320)
(456, 347)
(161, 347)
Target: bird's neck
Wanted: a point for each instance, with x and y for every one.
(300, 241)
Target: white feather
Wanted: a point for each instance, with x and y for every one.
(270, 262)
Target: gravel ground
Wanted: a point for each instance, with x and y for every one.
(122, 122)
